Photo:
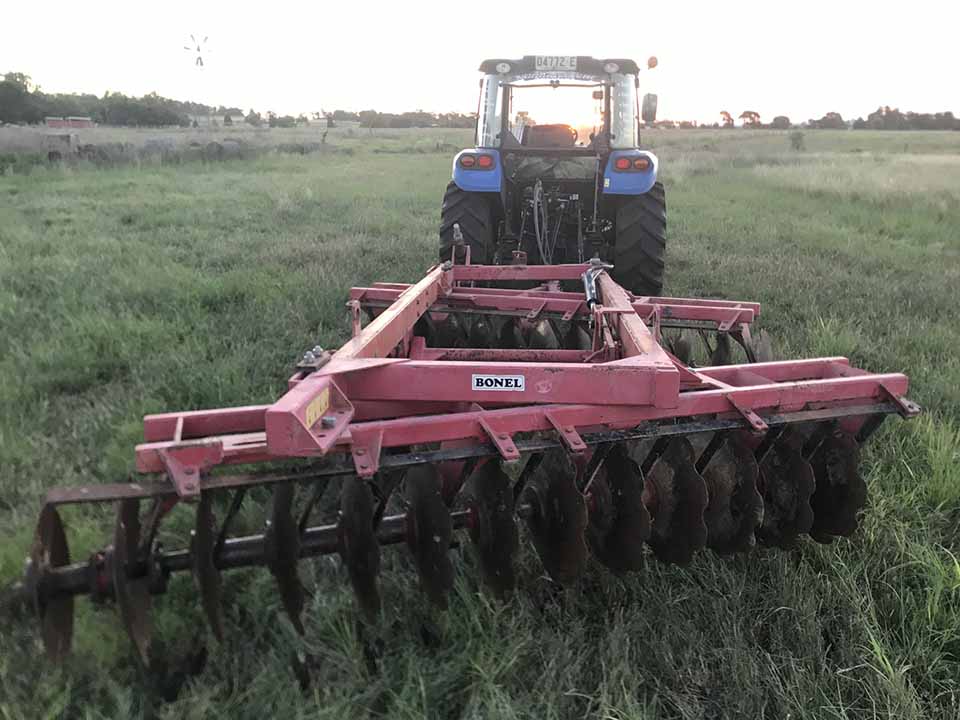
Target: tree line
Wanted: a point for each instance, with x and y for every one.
(22, 102)
(883, 118)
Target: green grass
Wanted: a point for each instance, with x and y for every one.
(139, 290)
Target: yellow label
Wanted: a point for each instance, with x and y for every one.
(317, 407)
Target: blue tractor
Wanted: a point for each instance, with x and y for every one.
(557, 174)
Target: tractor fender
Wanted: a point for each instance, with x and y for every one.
(629, 182)
(478, 179)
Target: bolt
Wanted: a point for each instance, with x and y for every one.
(328, 421)
(447, 266)
(188, 471)
(360, 451)
(317, 350)
(309, 358)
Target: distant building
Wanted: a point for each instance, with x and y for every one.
(73, 121)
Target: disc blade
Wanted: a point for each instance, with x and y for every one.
(721, 354)
(840, 491)
(682, 348)
(450, 333)
(489, 496)
(132, 596)
(761, 347)
(788, 483)
(205, 572)
(577, 338)
(558, 517)
(619, 521)
(679, 496)
(429, 531)
(359, 547)
(543, 337)
(481, 333)
(511, 337)
(282, 551)
(49, 550)
(735, 507)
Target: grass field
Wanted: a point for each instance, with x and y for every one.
(144, 289)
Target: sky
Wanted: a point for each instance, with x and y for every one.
(800, 59)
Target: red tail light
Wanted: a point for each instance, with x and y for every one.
(622, 163)
(485, 162)
(641, 163)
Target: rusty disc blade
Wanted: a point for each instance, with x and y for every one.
(49, 550)
(840, 491)
(679, 498)
(450, 332)
(788, 482)
(281, 544)
(543, 337)
(481, 334)
(203, 563)
(558, 517)
(132, 596)
(489, 496)
(721, 354)
(359, 547)
(511, 337)
(760, 348)
(429, 531)
(682, 348)
(619, 521)
(577, 338)
(735, 507)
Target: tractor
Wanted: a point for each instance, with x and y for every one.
(560, 192)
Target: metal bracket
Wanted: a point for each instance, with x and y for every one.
(535, 312)
(185, 463)
(906, 408)
(365, 450)
(568, 434)
(756, 422)
(501, 440)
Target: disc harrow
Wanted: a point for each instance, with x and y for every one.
(540, 404)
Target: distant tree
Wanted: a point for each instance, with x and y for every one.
(780, 122)
(227, 121)
(253, 118)
(18, 101)
(302, 119)
(345, 116)
(859, 124)
(751, 118)
(830, 121)
(280, 121)
(727, 119)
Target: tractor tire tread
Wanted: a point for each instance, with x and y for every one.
(473, 212)
(641, 241)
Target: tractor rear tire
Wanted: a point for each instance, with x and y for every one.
(473, 213)
(641, 241)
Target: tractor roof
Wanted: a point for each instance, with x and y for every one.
(578, 64)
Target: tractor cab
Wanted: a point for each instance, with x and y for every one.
(556, 174)
(578, 104)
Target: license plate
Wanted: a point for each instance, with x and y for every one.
(556, 62)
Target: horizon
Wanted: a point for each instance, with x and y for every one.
(732, 58)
